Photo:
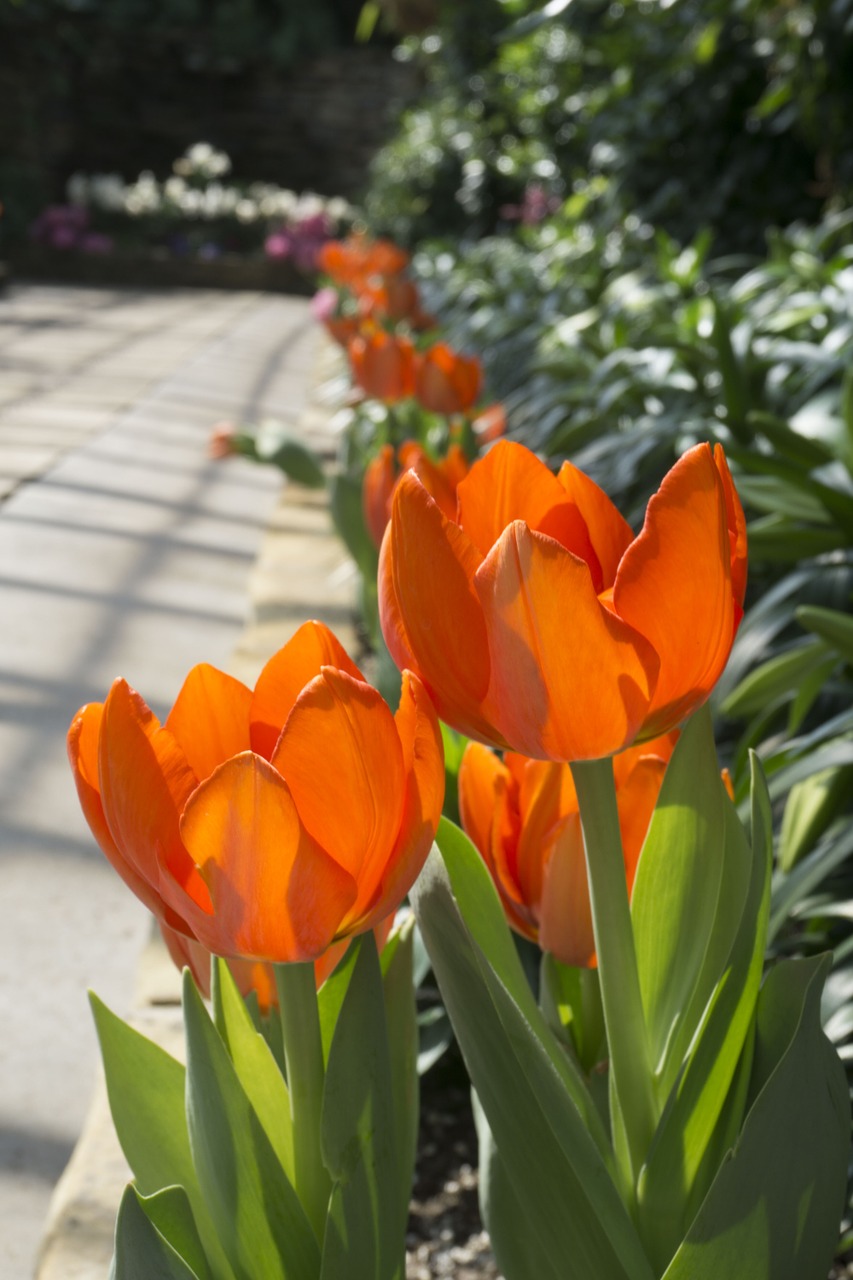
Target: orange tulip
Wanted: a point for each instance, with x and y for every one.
(354, 261)
(523, 817)
(446, 382)
(270, 824)
(440, 479)
(536, 619)
(490, 423)
(383, 365)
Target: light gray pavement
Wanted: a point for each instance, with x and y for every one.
(123, 550)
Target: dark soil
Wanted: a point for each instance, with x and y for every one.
(445, 1236)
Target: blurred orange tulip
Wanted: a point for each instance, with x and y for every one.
(354, 261)
(490, 423)
(523, 817)
(538, 621)
(446, 382)
(440, 479)
(383, 365)
(270, 824)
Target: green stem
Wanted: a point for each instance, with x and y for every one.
(303, 1056)
(617, 958)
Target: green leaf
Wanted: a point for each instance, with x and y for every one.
(831, 625)
(774, 1208)
(774, 679)
(365, 1227)
(564, 1195)
(280, 448)
(348, 519)
(701, 1106)
(397, 961)
(146, 1089)
(811, 806)
(141, 1251)
(735, 387)
(690, 877)
(171, 1213)
(264, 1228)
(256, 1068)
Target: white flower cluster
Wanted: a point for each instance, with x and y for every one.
(194, 192)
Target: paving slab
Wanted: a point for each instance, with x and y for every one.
(131, 554)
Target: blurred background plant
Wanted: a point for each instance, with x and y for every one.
(192, 212)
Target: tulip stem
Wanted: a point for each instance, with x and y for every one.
(303, 1057)
(617, 958)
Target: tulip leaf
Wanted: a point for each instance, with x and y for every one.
(688, 894)
(146, 1089)
(704, 1108)
(276, 445)
(397, 961)
(348, 519)
(365, 1226)
(256, 1068)
(773, 1210)
(142, 1250)
(264, 1228)
(537, 1108)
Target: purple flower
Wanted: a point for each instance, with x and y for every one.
(278, 245)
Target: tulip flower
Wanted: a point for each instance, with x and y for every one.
(266, 824)
(539, 622)
(446, 382)
(383, 365)
(440, 479)
(355, 260)
(523, 817)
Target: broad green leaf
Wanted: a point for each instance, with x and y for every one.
(397, 961)
(170, 1212)
(141, 1252)
(279, 447)
(479, 904)
(688, 893)
(263, 1226)
(256, 1068)
(564, 1194)
(146, 1088)
(331, 996)
(700, 1105)
(365, 1227)
(831, 625)
(348, 519)
(773, 1210)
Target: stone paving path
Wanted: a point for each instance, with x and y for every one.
(123, 550)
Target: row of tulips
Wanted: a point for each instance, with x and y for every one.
(662, 1111)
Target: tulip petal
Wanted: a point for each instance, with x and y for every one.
(83, 739)
(674, 585)
(210, 718)
(565, 926)
(479, 772)
(425, 576)
(637, 798)
(275, 894)
(609, 531)
(341, 757)
(736, 522)
(423, 764)
(284, 677)
(547, 796)
(145, 781)
(510, 483)
(569, 680)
